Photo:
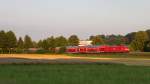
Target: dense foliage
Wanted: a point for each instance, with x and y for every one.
(97, 40)
(28, 42)
(8, 41)
(73, 40)
(139, 41)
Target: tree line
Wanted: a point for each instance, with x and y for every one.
(51, 43)
(9, 42)
(137, 41)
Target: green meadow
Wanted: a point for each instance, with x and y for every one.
(74, 74)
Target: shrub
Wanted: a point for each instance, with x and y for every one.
(42, 51)
(62, 50)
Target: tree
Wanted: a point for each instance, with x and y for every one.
(45, 44)
(139, 41)
(11, 39)
(97, 40)
(148, 32)
(115, 39)
(61, 41)
(3, 41)
(51, 42)
(73, 40)
(40, 44)
(91, 37)
(147, 46)
(8, 40)
(20, 43)
(130, 37)
(35, 45)
(119, 39)
(28, 42)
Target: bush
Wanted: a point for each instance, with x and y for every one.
(62, 50)
(131, 48)
(1, 51)
(147, 46)
(19, 51)
(42, 51)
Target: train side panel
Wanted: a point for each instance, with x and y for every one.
(97, 49)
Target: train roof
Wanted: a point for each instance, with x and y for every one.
(95, 46)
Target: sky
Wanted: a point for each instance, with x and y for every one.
(43, 18)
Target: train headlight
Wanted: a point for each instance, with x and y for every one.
(126, 49)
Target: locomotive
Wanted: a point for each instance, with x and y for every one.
(98, 49)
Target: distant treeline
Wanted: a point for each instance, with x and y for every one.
(137, 41)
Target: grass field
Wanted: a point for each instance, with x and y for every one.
(74, 74)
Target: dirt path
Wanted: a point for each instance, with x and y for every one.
(37, 58)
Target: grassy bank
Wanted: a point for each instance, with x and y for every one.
(74, 74)
(115, 55)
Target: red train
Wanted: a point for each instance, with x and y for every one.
(98, 49)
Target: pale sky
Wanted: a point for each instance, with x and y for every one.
(43, 18)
